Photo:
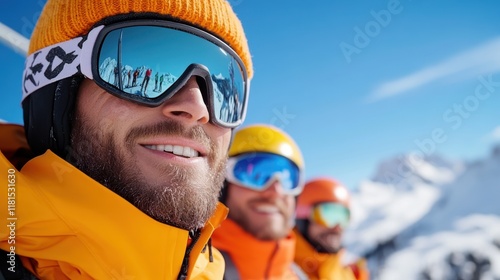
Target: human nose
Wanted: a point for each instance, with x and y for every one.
(187, 104)
(337, 228)
(275, 189)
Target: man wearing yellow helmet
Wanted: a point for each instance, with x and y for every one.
(264, 175)
(119, 181)
(323, 212)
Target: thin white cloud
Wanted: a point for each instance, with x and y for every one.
(495, 135)
(3, 121)
(477, 61)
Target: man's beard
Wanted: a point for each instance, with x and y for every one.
(266, 232)
(186, 200)
(323, 244)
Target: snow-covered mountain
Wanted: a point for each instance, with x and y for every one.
(429, 218)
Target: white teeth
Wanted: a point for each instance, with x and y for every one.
(168, 148)
(176, 150)
(267, 208)
(187, 152)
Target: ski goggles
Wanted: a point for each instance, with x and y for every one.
(329, 214)
(147, 62)
(257, 171)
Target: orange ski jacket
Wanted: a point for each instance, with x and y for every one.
(65, 225)
(254, 258)
(321, 266)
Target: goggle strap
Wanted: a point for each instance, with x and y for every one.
(57, 62)
(86, 53)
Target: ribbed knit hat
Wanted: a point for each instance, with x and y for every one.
(62, 20)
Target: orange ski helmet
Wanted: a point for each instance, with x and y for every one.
(321, 190)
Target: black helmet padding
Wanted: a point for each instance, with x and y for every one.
(48, 115)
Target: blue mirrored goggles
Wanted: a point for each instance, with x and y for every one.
(257, 171)
(147, 62)
(330, 214)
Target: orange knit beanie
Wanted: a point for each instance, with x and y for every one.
(62, 20)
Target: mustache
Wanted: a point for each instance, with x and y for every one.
(330, 232)
(170, 128)
(276, 202)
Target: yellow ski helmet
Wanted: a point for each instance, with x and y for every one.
(266, 138)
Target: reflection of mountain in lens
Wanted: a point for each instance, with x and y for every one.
(226, 107)
(106, 72)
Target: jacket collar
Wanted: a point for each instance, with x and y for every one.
(254, 258)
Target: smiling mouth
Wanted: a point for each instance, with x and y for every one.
(268, 209)
(182, 151)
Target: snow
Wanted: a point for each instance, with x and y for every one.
(474, 233)
(429, 219)
(404, 171)
(393, 212)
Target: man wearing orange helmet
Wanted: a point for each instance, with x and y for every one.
(114, 182)
(264, 176)
(322, 215)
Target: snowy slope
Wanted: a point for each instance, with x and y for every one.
(437, 219)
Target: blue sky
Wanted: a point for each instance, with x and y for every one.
(353, 82)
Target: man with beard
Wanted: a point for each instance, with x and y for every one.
(322, 215)
(264, 175)
(108, 184)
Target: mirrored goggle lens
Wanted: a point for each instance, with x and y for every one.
(330, 215)
(256, 171)
(143, 63)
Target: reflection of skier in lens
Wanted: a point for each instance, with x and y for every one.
(136, 74)
(156, 82)
(236, 101)
(161, 82)
(123, 75)
(117, 75)
(145, 82)
(226, 90)
(236, 105)
(129, 75)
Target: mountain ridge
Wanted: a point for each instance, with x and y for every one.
(426, 225)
